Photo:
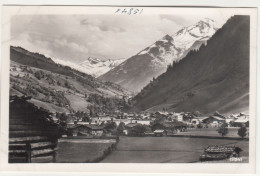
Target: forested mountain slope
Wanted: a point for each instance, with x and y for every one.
(214, 78)
(56, 87)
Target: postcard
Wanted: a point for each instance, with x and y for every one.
(128, 89)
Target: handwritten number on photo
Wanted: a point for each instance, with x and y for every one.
(131, 11)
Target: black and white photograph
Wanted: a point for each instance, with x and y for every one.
(131, 85)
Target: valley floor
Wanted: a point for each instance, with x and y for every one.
(167, 149)
(144, 150)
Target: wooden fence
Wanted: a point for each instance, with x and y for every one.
(31, 150)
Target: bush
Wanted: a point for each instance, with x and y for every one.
(138, 130)
(66, 84)
(242, 131)
(30, 91)
(39, 74)
(223, 130)
(18, 88)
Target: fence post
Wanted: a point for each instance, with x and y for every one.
(54, 157)
(28, 152)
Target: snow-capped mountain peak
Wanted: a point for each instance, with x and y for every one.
(140, 69)
(201, 31)
(91, 61)
(175, 47)
(92, 66)
(209, 21)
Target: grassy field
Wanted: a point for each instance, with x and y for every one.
(232, 132)
(166, 149)
(78, 103)
(49, 106)
(80, 151)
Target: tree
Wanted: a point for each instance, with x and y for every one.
(85, 119)
(199, 125)
(138, 130)
(242, 131)
(62, 116)
(158, 120)
(39, 74)
(156, 126)
(121, 127)
(66, 84)
(110, 126)
(223, 130)
(91, 111)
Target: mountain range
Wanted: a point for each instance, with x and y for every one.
(199, 68)
(213, 78)
(91, 66)
(140, 69)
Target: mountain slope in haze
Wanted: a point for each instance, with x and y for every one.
(53, 86)
(214, 78)
(139, 70)
(92, 66)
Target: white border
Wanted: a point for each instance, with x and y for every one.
(127, 167)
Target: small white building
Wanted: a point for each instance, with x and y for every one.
(177, 116)
(143, 122)
(83, 123)
(104, 119)
(125, 121)
(241, 120)
(198, 120)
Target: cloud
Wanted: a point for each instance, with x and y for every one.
(179, 20)
(102, 25)
(77, 37)
(90, 22)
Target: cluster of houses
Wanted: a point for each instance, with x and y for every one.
(233, 120)
(157, 123)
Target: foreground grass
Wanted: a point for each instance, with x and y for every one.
(166, 149)
(74, 152)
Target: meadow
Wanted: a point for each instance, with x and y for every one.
(212, 132)
(167, 149)
(81, 151)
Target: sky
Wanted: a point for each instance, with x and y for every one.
(74, 38)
